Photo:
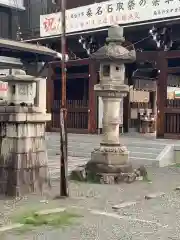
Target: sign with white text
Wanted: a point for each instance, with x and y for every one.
(108, 13)
(17, 4)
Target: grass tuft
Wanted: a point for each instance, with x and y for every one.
(31, 220)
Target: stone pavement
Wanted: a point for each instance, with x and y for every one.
(80, 146)
(136, 218)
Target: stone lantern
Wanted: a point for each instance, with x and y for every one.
(23, 154)
(111, 156)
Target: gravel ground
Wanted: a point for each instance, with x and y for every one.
(157, 218)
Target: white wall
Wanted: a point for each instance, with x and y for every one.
(18, 4)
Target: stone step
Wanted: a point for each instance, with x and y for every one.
(145, 145)
(148, 155)
(145, 149)
(147, 162)
(131, 149)
(144, 152)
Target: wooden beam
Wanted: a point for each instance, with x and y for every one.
(174, 70)
(173, 54)
(73, 110)
(71, 63)
(172, 110)
(92, 101)
(146, 55)
(162, 65)
(74, 76)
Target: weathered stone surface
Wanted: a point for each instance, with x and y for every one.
(50, 211)
(114, 51)
(177, 188)
(79, 174)
(123, 205)
(11, 227)
(25, 117)
(105, 168)
(23, 158)
(104, 174)
(24, 130)
(154, 195)
(112, 156)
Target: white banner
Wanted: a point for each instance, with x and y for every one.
(18, 4)
(108, 13)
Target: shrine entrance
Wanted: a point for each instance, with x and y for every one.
(168, 91)
(81, 77)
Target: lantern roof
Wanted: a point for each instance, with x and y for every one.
(113, 51)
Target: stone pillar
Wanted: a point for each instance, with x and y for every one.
(23, 155)
(40, 92)
(111, 116)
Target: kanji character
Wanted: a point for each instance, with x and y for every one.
(168, 1)
(120, 6)
(142, 2)
(155, 2)
(131, 4)
(49, 24)
(89, 12)
(99, 11)
(109, 8)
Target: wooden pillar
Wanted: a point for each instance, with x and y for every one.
(92, 99)
(162, 65)
(49, 95)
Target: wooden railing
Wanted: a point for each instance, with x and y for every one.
(77, 117)
(172, 117)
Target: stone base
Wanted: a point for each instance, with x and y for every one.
(108, 174)
(98, 168)
(103, 173)
(19, 182)
(23, 156)
(110, 155)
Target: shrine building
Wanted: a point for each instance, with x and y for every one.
(151, 27)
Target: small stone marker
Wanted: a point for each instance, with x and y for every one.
(154, 195)
(140, 178)
(177, 188)
(44, 201)
(50, 211)
(79, 174)
(123, 205)
(10, 227)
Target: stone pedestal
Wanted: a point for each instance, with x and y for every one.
(23, 155)
(112, 156)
